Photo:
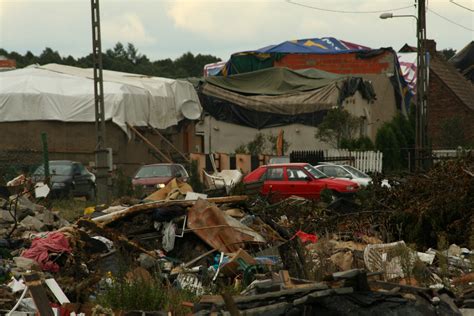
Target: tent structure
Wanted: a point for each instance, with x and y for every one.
(62, 93)
(280, 96)
(323, 45)
(266, 57)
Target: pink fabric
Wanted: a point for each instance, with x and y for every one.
(40, 249)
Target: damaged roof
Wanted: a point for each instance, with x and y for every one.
(454, 80)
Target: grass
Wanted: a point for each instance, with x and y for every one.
(70, 209)
(145, 295)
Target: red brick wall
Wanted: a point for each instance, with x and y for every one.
(340, 63)
(7, 63)
(443, 104)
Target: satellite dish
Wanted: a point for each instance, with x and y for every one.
(191, 110)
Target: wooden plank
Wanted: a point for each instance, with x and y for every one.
(37, 292)
(218, 301)
(57, 291)
(166, 158)
(170, 144)
(109, 218)
(285, 277)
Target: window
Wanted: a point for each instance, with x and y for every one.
(329, 171)
(274, 174)
(154, 171)
(82, 169)
(315, 172)
(336, 172)
(356, 172)
(296, 174)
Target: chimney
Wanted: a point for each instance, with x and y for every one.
(430, 46)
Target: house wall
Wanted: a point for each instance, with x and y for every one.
(444, 104)
(225, 137)
(347, 63)
(20, 143)
(377, 69)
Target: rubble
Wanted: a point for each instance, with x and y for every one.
(238, 254)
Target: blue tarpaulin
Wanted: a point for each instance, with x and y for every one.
(324, 45)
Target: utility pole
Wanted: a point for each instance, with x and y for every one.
(101, 152)
(421, 142)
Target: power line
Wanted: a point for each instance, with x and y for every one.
(449, 20)
(460, 5)
(343, 11)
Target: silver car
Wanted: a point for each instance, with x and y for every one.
(349, 173)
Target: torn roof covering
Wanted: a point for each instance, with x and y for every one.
(324, 45)
(279, 96)
(63, 93)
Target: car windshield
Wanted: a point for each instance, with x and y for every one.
(60, 169)
(154, 171)
(357, 173)
(315, 172)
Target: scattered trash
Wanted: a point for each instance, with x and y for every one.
(291, 257)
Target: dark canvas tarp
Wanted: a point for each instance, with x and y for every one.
(287, 104)
(274, 81)
(270, 110)
(226, 111)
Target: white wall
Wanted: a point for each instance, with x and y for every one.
(225, 137)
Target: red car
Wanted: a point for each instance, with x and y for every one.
(301, 179)
(156, 176)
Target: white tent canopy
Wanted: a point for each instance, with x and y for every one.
(64, 93)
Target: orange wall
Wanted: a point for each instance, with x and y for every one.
(347, 63)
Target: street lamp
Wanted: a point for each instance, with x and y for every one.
(389, 15)
(421, 80)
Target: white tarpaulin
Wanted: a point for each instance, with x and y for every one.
(408, 65)
(64, 93)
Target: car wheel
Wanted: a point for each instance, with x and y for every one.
(333, 196)
(329, 196)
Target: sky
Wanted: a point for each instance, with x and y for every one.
(167, 29)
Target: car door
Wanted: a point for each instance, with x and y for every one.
(81, 179)
(299, 183)
(274, 183)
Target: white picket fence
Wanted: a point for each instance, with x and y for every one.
(366, 161)
(446, 154)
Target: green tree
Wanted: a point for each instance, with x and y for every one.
(447, 53)
(124, 58)
(337, 125)
(258, 145)
(361, 143)
(386, 141)
(49, 56)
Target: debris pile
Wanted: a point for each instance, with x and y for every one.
(242, 255)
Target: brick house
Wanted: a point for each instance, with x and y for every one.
(450, 102)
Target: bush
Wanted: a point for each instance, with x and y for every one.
(386, 141)
(361, 143)
(144, 295)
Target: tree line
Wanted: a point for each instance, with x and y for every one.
(124, 58)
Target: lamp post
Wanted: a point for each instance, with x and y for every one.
(421, 82)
